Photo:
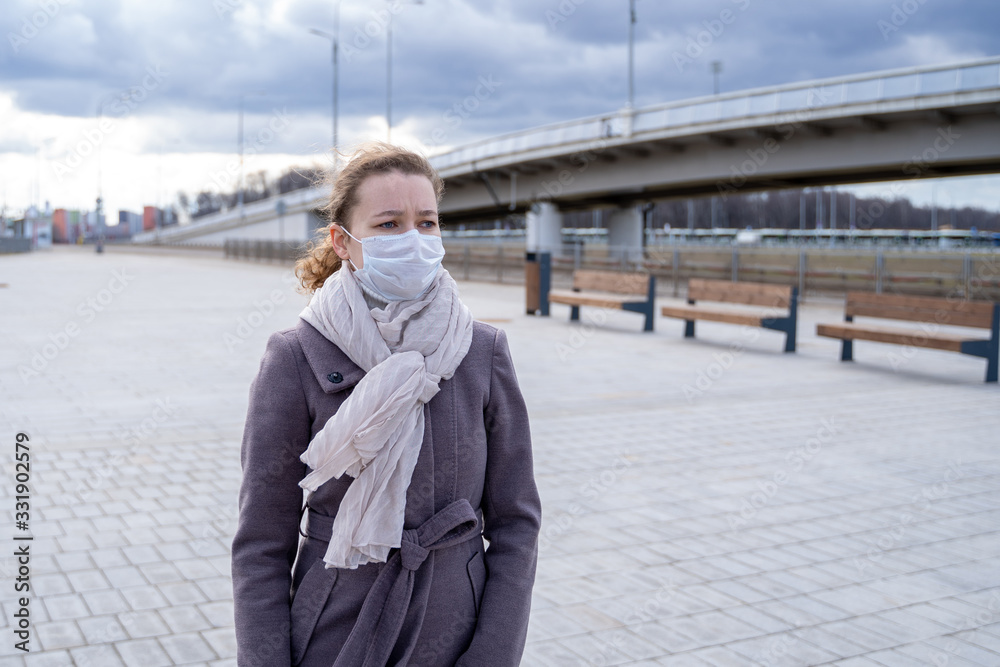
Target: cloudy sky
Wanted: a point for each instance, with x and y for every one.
(142, 97)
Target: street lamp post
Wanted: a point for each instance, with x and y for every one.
(631, 55)
(388, 82)
(239, 147)
(716, 68)
(388, 73)
(239, 143)
(280, 207)
(117, 97)
(334, 47)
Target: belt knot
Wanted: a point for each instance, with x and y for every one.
(411, 552)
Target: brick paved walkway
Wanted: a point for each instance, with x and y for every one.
(704, 504)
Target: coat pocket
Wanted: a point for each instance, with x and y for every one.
(477, 575)
(310, 599)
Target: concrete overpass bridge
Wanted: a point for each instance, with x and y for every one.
(889, 125)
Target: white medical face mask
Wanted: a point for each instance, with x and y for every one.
(399, 267)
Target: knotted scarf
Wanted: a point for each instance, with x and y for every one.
(405, 349)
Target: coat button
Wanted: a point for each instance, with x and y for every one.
(335, 378)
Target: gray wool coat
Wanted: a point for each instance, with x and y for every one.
(443, 598)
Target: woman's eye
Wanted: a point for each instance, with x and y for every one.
(388, 225)
(429, 223)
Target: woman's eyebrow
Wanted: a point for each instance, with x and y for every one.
(394, 213)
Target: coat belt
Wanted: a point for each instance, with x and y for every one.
(380, 622)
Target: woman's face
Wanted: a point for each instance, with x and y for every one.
(390, 203)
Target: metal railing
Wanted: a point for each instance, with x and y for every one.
(961, 274)
(263, 250)
(814, 270)
(14, 244)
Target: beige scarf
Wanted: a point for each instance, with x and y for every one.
(405, 349)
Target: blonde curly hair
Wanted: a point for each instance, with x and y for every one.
(320, 260)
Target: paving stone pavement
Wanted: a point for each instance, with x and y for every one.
(706, 502)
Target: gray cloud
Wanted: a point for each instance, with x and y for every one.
(555, 59)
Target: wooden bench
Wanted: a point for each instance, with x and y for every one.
(927, 310)
(609, 289)
(775, 297)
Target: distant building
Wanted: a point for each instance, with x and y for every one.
(60, 233)
(119, 232)
(36, 226)
(151, 218)
(168, 217)
(132, 221)
(74, 226)
(65, 226)
(90, 225)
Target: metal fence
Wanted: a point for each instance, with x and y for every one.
(14, 244)
(964, 274)
(814, 270)
(263, 250)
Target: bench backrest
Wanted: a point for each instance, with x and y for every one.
(920, 309)
(751, 294)
(612, 281)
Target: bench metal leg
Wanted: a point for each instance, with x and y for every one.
(574, 313)
(790, 341)
(650, 310)
(785, 325)
(993, 352)
(847, 345)
(793, 318)
(545, 280)
(987, 349)
(648, 326)
(689, 324)
(647, 307)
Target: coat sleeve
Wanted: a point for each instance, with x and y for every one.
(511, 517)
(277, 430)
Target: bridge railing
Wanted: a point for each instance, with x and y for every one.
(804, 96)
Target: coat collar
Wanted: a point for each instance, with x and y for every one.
(333, 369)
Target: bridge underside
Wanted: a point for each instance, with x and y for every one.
(784, 152)
(896, 125)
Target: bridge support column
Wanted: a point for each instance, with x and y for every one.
(625, 234)
(543, 238)
(543, 231)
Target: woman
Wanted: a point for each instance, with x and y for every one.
(401, 421)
